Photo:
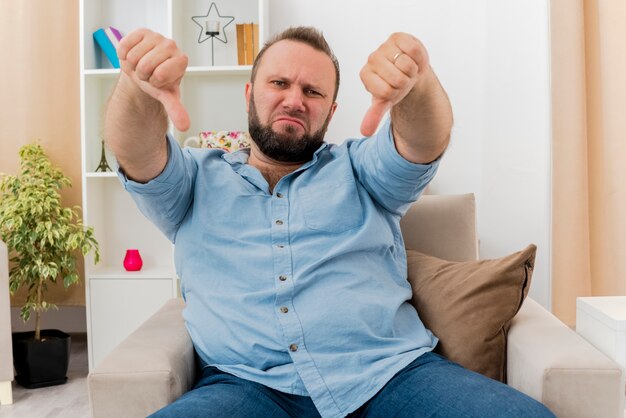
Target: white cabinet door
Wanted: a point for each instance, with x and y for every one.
(119, 306)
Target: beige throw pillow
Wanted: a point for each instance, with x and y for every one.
(469, 305)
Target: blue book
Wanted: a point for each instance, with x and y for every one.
(102, 39)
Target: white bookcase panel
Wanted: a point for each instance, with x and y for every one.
(215, 103)
(119, 226)
(98, 88)
(117, 300)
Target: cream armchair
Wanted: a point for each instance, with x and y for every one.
(546, 359)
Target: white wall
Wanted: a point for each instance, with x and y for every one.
(492, 56)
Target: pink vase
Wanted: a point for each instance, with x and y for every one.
(132, 260)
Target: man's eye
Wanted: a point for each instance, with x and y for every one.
(279, 83)
(311, 92)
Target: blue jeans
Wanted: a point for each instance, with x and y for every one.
(431, 386)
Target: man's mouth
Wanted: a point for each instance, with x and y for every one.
(290, 120)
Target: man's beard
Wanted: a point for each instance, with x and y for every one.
(285, 147)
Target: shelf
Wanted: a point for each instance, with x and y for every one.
(102, 72)
(108, 174)
(153, 273)
(220, 69)
(185, 31)
(204, 70)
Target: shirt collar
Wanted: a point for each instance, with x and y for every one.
(240, 157)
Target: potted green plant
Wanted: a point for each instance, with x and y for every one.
(43, 238)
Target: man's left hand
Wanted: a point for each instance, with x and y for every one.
(389, 75)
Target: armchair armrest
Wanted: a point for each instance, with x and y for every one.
(551, 363)
(151, 368)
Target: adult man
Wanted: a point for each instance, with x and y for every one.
(290, 253)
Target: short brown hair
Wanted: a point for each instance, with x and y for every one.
(307, 35)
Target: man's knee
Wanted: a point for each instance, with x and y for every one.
(222, 395)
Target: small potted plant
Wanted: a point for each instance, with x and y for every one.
(44, 239)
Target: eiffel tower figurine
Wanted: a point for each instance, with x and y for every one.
(103, 167)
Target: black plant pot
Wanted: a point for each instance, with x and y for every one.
(41, 363)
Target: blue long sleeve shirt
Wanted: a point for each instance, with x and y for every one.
(303, 289)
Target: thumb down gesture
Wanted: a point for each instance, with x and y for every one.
(389, 75)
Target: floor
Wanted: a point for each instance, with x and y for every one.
(68, 401)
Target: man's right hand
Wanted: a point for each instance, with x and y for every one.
(156, 65)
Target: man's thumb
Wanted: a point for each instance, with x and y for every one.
(176, 112)
(373, 116)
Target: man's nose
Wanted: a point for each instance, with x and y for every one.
(294, 99)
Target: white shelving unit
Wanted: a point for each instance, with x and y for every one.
(118, 301)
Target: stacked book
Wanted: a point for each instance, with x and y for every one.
(108, 39)
(247, 43)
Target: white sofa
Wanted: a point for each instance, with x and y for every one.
(546, 359)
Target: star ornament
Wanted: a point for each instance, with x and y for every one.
(213, 15)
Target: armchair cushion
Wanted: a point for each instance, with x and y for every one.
(469, 305)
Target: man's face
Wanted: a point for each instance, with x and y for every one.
(291, 101)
